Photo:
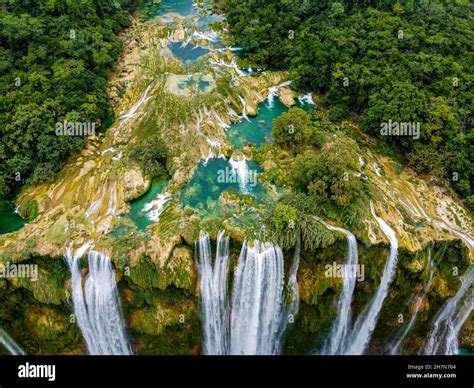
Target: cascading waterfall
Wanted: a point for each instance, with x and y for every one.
(241, 168)
(366, 322)
(306, 99)
(153, 209)
(257, 300)
(186, 42)
(9, 344)
(213, 288)
(133, 110)
(256, 320)
(292, 308)
(211, 36)
(272, 92)
(449, 321)
(97, 306)
(95, 206)
(244, 108)
(112, 204)
(231, 65)
(452, 343)
(419, 301)
(377, 169)
(338, 340)
(213, 144)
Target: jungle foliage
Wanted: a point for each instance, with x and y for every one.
(55, 56)
(374, 61)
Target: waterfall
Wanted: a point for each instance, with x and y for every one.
(241, 168)
(449, 321)
(220, 122)
(213, 288)
(272, 92)
(338, 339)
(210, 36)
(112, 204)
(366, 322)
(257, 300)
(94, 207)
(156, 207)
(244, 103)
(97, 306)
(257, 94)
(118, 156)
(231, 65)
(185, 43)
(467, 239)
(229, 48)
(256, 320)
(9, 344)
(306, 99)
(213, 144)
(292, 308)
(133, 110)
(376, 168)
(419, 301)
(110, 149)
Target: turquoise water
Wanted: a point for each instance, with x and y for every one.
(259, 129)
(203, 85)
(181, 7)
(136, 206)
(465, 352)
(211, 180)
(190, 52)
(200, 83)
(9, 220)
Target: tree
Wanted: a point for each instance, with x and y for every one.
(292, 128)
(328, 175)
(151, 155)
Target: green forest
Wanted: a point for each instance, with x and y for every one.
(374, 61)
(55, 56)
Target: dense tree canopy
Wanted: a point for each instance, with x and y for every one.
(292, 128)
(151, 155)
(54, 59)
(374, 61)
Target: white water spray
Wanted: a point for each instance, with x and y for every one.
(367, 321)
(113, 202)
(306, 99)
(257, 300)
(338, 340)
(133, 110)
(449, 321)
(155, 208)
(9, 344)
(244, 108)
(231, 65)
(241, 168)
(273, 91)
(213, 288)
(257, 319)
(97, 306)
